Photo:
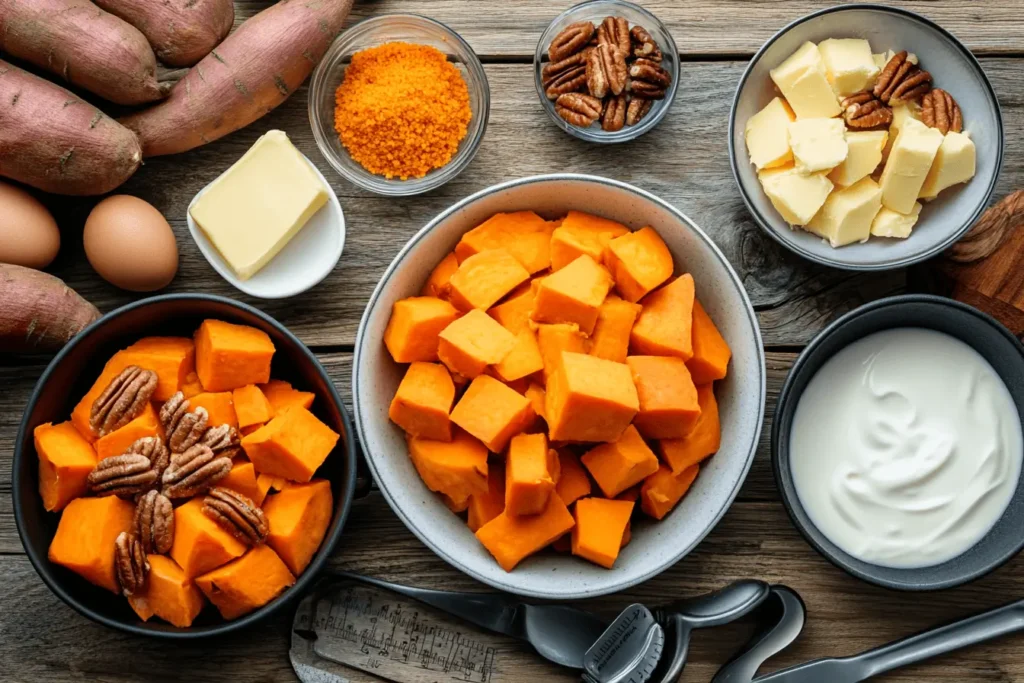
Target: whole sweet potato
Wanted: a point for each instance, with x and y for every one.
(38, 312)
(54, 141)
(255, 69)
(181, 31)
(84, 45)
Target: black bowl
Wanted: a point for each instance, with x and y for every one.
(70, 375)
(989, 338)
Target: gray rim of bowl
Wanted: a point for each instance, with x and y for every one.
(443, 552)
(786, 396)
(600, 136)
(291, 594)
(441, 175)
(882, 265)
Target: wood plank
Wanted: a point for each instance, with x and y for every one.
(702, 27)
(685, 161)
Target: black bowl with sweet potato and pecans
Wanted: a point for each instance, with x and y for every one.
(70, 375)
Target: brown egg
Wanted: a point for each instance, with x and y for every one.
(28, 234)
(130, 244)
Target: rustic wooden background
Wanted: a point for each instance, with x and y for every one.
(684, 161)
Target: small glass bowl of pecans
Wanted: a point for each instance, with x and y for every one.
(606, 71)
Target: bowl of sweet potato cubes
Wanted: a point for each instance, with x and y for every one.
(184, 467)
(559, 385)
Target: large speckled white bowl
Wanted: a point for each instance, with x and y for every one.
(654, 546)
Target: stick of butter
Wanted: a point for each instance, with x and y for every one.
(252, 211)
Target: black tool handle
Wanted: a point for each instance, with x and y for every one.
(971, 631)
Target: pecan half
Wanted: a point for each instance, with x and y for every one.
(578, 109)
(901, 81)
(130, 564)
(614, 31)
(153, 448)
(222, 440)
(237, 514)
(615, 113)
(182, 427)
(154, 522)
(638, 108)
(193, 472)
(864, 110)
(606, 71)
(644, 46)
(122, 475)
(123, 400)
(568, 75)
(648, 79)
(939, 110)
(572, 39)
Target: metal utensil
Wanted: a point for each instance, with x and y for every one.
(628, 651)
(780, 618)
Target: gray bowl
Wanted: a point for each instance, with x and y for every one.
(989, 338)
(944, 220)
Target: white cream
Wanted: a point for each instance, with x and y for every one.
(906, 448)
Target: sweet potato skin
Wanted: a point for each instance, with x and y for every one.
(84, 45)
(181, 31)
(54, 141)
(38, 312)
(253, 71)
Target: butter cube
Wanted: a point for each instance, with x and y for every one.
(889, 223)
(909, 162)
(797, 196)
(881, 59)
(849, 65)
(953, 164)
(847, 214)
(863, 158)
(901, 113)
(803, 82)
(252, 211)
(818, 144)
(767, 136)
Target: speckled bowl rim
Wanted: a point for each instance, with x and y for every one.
(787, 488)
(892, 263)
(397, 263)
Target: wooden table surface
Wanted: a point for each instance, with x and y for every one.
(685, 161)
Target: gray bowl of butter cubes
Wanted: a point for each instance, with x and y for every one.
(865, 137)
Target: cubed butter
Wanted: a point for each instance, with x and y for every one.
(889, 223)
(953, 164)
(818, 144)
(767, 135)
(797, 196)
(882, 58)
(864, 156)
(908, 165)
(252, 211)
(849, 64)
(803, 81)
(847, 214)
(901, 113)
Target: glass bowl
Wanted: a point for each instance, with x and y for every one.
(595, 11)
(387, 28)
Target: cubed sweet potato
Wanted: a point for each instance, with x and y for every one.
(555, 339)
(589, 399)
(535, 392)
(268, 483)
(298, 518)
(484, 278)
(514, 312)
(292, 445)
(456, 468)
(437, 284)
(668, 398)
(282, 395)
(118, 441)
(411, 334)
(423, 401)
(573, 482)
(168, 594)
(619, 465)
(665, 325)
(610, 339)
(192, 386)
(531, 471)
(523, 360)
(711, 353)
(639, 262)
(702, 441)
(229, 356)
(573, 294)
(511, 539)
(483, 507)
(492, 412)
(200, 544)
(65, 461)
(471, 343)
(220, 406)
(242, 479)
(251, 406)
(84, 542)
(663, 490)
(600, 529)
(523, 234)
(581, 233)
(173, 359)
(246, 584)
